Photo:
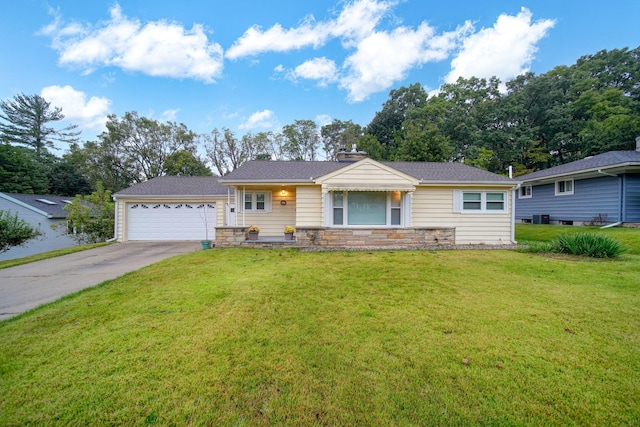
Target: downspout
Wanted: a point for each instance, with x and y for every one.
(514, 193)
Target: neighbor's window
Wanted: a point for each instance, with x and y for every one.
(483, 202)
(256, 202)
(361, 208)
(525, 192)
(564, 187)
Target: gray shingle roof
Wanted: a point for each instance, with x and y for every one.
(605, 160)
(447, 172)
(54, 209)
(176, 186)
(282, 171)
(267, 170)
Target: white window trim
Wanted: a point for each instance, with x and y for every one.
(267, 202)
(405, 207)
(458, 203)
(528, 194)
(565, 193)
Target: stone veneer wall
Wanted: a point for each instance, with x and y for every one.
(330, 238)
(228, 237)
(374, 237)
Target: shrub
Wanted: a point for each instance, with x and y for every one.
(14, 231)
(593, 245)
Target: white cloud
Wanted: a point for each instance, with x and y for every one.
(155, 48)
(323, 119)
(356, 20)
(170, 115)
(379, 58)
(264, 119)
(322, 69)
(504, 50)
(88, 114)
(383, 58)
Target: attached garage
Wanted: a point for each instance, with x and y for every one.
(171, 221)
(171, 208)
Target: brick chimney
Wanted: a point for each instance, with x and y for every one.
(350, 156)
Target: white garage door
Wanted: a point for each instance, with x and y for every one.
(170, 221)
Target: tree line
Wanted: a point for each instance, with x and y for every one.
(531, 122)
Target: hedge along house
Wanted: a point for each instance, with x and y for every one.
(597, 190)
(359, 202)
(172, 208)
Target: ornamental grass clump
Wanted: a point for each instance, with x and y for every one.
(592, 245)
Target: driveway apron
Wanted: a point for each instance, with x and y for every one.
(28, 286)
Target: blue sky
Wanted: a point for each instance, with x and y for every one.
(256, 65)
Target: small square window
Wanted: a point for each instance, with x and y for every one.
(525, 192)
(257, 202)
(564, 187)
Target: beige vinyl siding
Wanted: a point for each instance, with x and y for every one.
(309, 203)
(433, 207)
(270, 223)
(368, 173)
(122, 226)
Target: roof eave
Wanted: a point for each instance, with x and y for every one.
(165, 196)
(266, 181)
(583, 172)
(469, 183)
(27, 206)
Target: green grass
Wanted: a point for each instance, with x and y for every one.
(278, 337)
(46, 255)
(629, 238)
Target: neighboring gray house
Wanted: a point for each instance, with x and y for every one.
(41, 212)
(597, 190)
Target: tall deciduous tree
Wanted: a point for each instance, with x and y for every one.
(26, 121)
(14, 231)
(387, 123)
(100, 162)
(422, 139)
(301, 140)
(132, 149)
(225, 150)
(338, 134)
(185, 163)
(92, 216)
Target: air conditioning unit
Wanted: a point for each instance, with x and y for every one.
(541, 219)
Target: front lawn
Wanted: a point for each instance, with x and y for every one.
(280, 337)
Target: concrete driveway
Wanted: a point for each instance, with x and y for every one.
(27, 286)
